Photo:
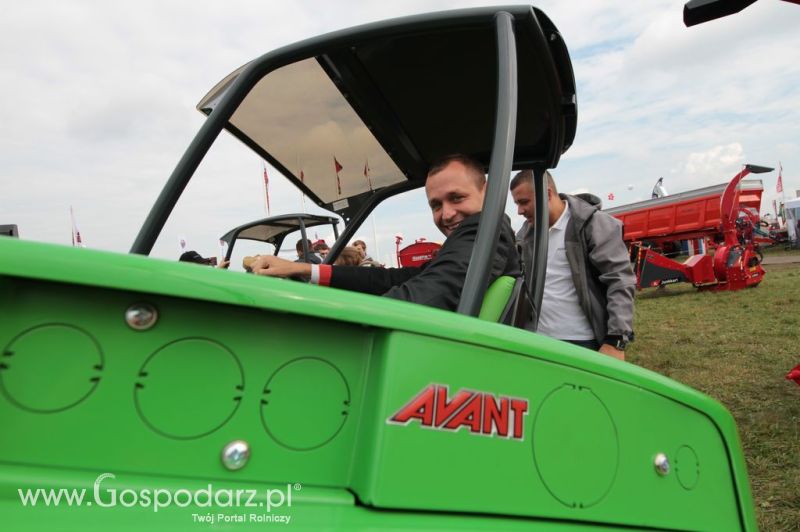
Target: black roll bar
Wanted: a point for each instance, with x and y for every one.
(537, 271)
(499, 169)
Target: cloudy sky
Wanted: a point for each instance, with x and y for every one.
(99, 104)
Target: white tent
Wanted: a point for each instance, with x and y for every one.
(792, 210)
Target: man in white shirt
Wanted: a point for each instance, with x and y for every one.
(589, 284)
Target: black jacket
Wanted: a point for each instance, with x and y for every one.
(437, 283)
(311, 258)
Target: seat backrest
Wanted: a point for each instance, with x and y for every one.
(497, 298)
(506, 301)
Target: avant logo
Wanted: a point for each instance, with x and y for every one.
(480, 412)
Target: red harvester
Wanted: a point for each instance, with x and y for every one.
(723, 224)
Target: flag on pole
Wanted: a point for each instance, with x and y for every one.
(338, 167)
(77, 241)
(366, 174)
(779, 186)
(266, 187)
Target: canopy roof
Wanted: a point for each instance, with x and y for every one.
(357, 111)
(274, 229)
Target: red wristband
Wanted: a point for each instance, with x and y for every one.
(325, 272)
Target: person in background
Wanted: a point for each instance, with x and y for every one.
(321, 249)
(195, 257)
(350, 256)
(311, 258)
(589, 285)
(361, 246)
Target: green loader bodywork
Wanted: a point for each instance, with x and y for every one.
(129, 386)
(310, 377)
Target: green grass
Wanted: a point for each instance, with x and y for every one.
(779, 250)
(737, 347)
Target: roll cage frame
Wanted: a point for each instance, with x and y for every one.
(542, 47)
(284, 224)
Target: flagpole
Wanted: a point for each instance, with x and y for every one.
(76, 233)
(377, 252)
(302, 180)
(375, 237)
(266, 188)
(783, 194)
(72, 223)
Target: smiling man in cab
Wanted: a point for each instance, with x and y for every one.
(455, 188)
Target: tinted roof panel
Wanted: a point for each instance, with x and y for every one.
(396, 95)
(304, 122)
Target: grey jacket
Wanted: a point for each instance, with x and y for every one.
(601, 268)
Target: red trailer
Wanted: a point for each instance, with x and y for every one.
(720, 221)
(688, 215)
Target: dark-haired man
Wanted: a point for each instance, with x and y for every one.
(589, 285)
(321, 249)
(455, 187)
(311, 257)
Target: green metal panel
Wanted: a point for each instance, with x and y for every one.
(205, 375)
(586, 453)
(310, 377)
(312, 509)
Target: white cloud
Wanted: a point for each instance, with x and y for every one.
(99, 107)
(715, 165)
(714, 160)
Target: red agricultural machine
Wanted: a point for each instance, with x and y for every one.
(720, 224)
(416, 254)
